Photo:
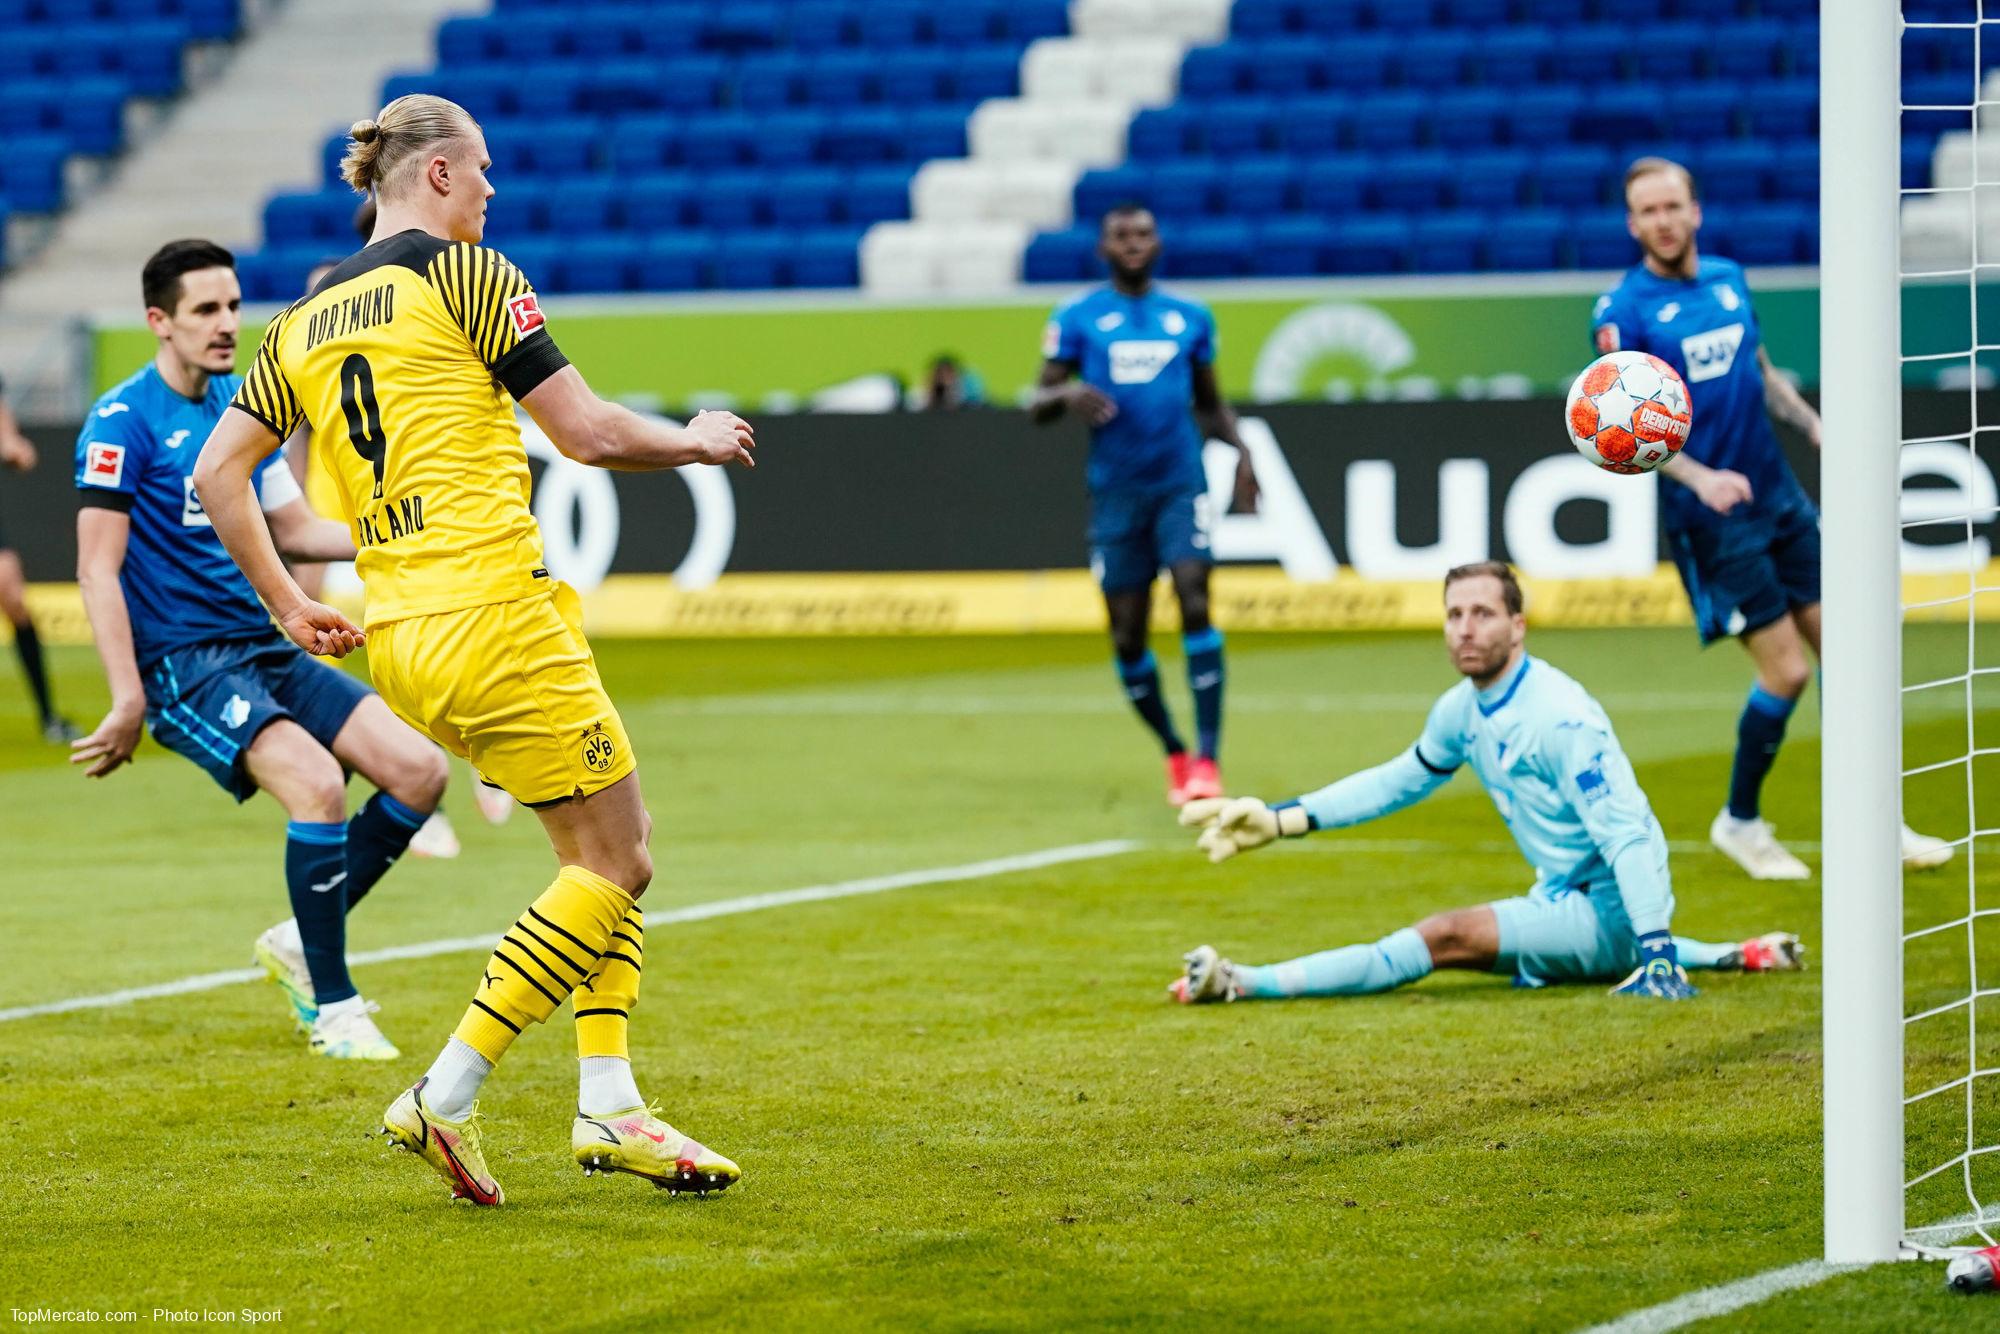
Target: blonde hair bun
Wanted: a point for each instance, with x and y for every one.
(364, 132)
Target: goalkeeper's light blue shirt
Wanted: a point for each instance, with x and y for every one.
(1546, 754)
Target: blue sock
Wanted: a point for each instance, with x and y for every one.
(1142, 687)
(1758, 734)
(316, 875)
(376, 837)
(1353, 970)
(1204, 665)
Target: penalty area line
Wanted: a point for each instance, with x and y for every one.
(1707, 1303)
(693, 912)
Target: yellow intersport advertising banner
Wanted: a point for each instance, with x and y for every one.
(989, 602)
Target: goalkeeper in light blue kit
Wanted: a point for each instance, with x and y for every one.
(1602, 903)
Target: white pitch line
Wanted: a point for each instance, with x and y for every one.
(693, 912)
(1721, 1300)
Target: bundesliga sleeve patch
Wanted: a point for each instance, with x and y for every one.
(526, 314)
(103, 465)
(1607, 338)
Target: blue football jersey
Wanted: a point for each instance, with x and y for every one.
(1141, 352)
(136, 453)
(1706, 329)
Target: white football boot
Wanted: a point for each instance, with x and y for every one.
(1752, 846)
(435, 838)
(1922, 852)
(345, 1032)
(283, 959)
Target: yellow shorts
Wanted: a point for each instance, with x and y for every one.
(512, 687)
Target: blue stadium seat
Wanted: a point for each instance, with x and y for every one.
(1602, 242)
(1704, 9)
(1061, 257)
(1431, 60)
(934, 132)
(1492, 178)
(1738, 170)
(991, 71)
(1188, 188)
(1025, 20)
(1330, 18)
(31, 172)
(1317, 125)
(643, 143)
(1555, 13)
(1675, 51)
(1603, 53)
(1470, 117)
(582, 207)
(1796, 175)
(1099, 191)
(1704, 111)
(1245, 125)
(1378, 244)
(792, 139)
(876, 194)
(845, 78)
(1364, 59)
(1255, 187)
(827, 257)
(661, 202)
(816, 25)
(1471, 13)
(727, 139)
(1215, 248)
(866, 135)
(1287, 66)
(742, 25)
(1773, 233)
(1332, 187)
(917, 78)
(1528, 240)
(1160, 132)
(808, 198)
(601, 263)
(1212, 71)
(559, 148)
(781, 78)
(1575, 175)
(1393, 120)
(754, 260)
(509, 213)
(1290, 247)
(1754, 49)
(468, 39)
(967, 23)
(1415, 182)
(886, 24)
(1538, 116)
(1515, 55)
(1614, 115)
(1787, 110)
(1450, 242)
(541, 259)
(621, 87)
(729, 200)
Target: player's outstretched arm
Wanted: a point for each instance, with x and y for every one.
(604, 435)
(1718, 488)
(223, 479)
(1231, 825)
(101, 539)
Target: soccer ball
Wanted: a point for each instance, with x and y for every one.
(1628, 412)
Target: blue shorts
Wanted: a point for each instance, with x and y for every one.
(209, 702)
(1750, 569)
(1575, 937)
(1133, 536)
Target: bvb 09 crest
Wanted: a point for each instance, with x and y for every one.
(599, 750)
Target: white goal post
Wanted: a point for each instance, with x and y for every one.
(1861, 767)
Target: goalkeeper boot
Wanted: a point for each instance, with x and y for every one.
(1772, 952)
(1752, 845)
(344, 1031)
(640, 1143)
(1204, 779)
(1180, 767)
(281, 956)
(1923, 852)
(452, 1148)
(1209, 977)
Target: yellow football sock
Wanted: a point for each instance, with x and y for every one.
(552, 947)
(604, 1011)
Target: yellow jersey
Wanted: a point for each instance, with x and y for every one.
(404, 363)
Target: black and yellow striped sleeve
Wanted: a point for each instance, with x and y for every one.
(265, 393)
(494, 304)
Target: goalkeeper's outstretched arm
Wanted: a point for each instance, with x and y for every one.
(1237, 824)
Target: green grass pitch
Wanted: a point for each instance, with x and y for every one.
(965, 1105)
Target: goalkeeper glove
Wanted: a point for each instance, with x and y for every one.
(1230, 825)
(1659, 975)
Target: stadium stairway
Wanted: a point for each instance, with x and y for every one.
(253, 129)
(972, 217)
